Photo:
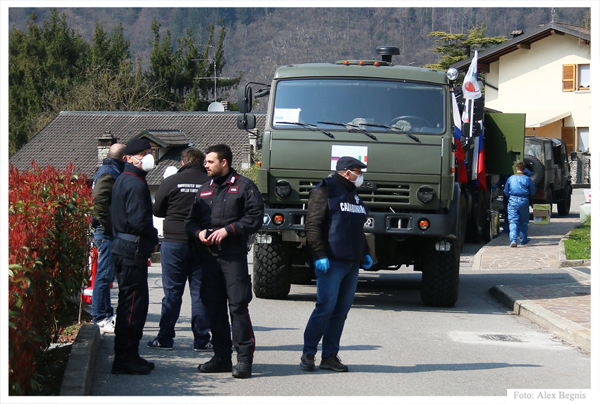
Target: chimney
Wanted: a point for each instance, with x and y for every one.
(104, 142)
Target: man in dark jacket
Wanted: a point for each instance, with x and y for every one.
(135, 240)
(226, 211)
(334, 232)
(102, 186)
(173, 201)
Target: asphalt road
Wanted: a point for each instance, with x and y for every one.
(393, 344)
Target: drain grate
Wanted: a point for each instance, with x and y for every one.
(501, 337)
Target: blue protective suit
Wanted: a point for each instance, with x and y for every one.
(518, 189)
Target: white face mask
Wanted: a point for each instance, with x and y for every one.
(358, 181)
(147, 162)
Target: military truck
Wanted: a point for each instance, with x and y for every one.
(399, 121)
(548, 162)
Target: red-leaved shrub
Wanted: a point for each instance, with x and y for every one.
(49, 240)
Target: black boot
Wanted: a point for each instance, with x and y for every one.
(242, 370)
(143, 361)
(128, 365)
(216, 365)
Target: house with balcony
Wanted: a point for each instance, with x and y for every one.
(546, 75)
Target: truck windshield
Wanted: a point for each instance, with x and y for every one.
(409, 107)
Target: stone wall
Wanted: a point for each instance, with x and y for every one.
(580, 168)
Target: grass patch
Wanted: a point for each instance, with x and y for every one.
(578, 245)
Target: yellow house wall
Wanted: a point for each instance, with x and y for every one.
(531, 80)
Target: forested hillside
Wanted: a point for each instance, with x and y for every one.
(258, 40)
(148, 59)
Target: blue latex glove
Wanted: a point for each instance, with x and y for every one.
(322, 264)
(367, 262)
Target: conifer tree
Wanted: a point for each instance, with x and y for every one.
(456, 47)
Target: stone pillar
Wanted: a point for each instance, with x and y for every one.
(575, 167)
(586, 170)
(580, 168)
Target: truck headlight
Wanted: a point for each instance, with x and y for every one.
(425, 194)
(452, 74)
(283, 189)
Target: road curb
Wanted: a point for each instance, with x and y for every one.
(78, 375)
(564, 329)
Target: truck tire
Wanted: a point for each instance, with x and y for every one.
(478, 226)
(536, 167)
(461, 223)
(439, 282)
(564, 206)
(271, 275)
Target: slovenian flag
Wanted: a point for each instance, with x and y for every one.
(460, 152)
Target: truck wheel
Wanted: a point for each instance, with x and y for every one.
(271, 276)
(564, 206)
(478, 223)
(536, 167)
(439, 282)
(461, 223)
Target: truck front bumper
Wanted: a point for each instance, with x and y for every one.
(402, 224)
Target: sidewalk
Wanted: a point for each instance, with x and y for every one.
(563, 309)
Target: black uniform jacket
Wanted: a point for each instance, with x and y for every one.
(175, 197)
(317, 218)
(232, 202)
(131, 211)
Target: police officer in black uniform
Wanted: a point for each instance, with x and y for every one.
(226, 211)
(334, 232)
(135, 240)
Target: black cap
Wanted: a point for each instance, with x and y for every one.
(348, 163)
(136, 146)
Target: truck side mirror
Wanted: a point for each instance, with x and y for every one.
(245, 99)
(246, 121)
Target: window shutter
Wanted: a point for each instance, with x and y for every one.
(568, 81)
(568, 136)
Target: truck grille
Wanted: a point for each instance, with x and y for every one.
(385, 195)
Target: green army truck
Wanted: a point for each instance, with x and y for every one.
(399, 121)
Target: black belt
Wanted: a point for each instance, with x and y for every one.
(128, 237)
